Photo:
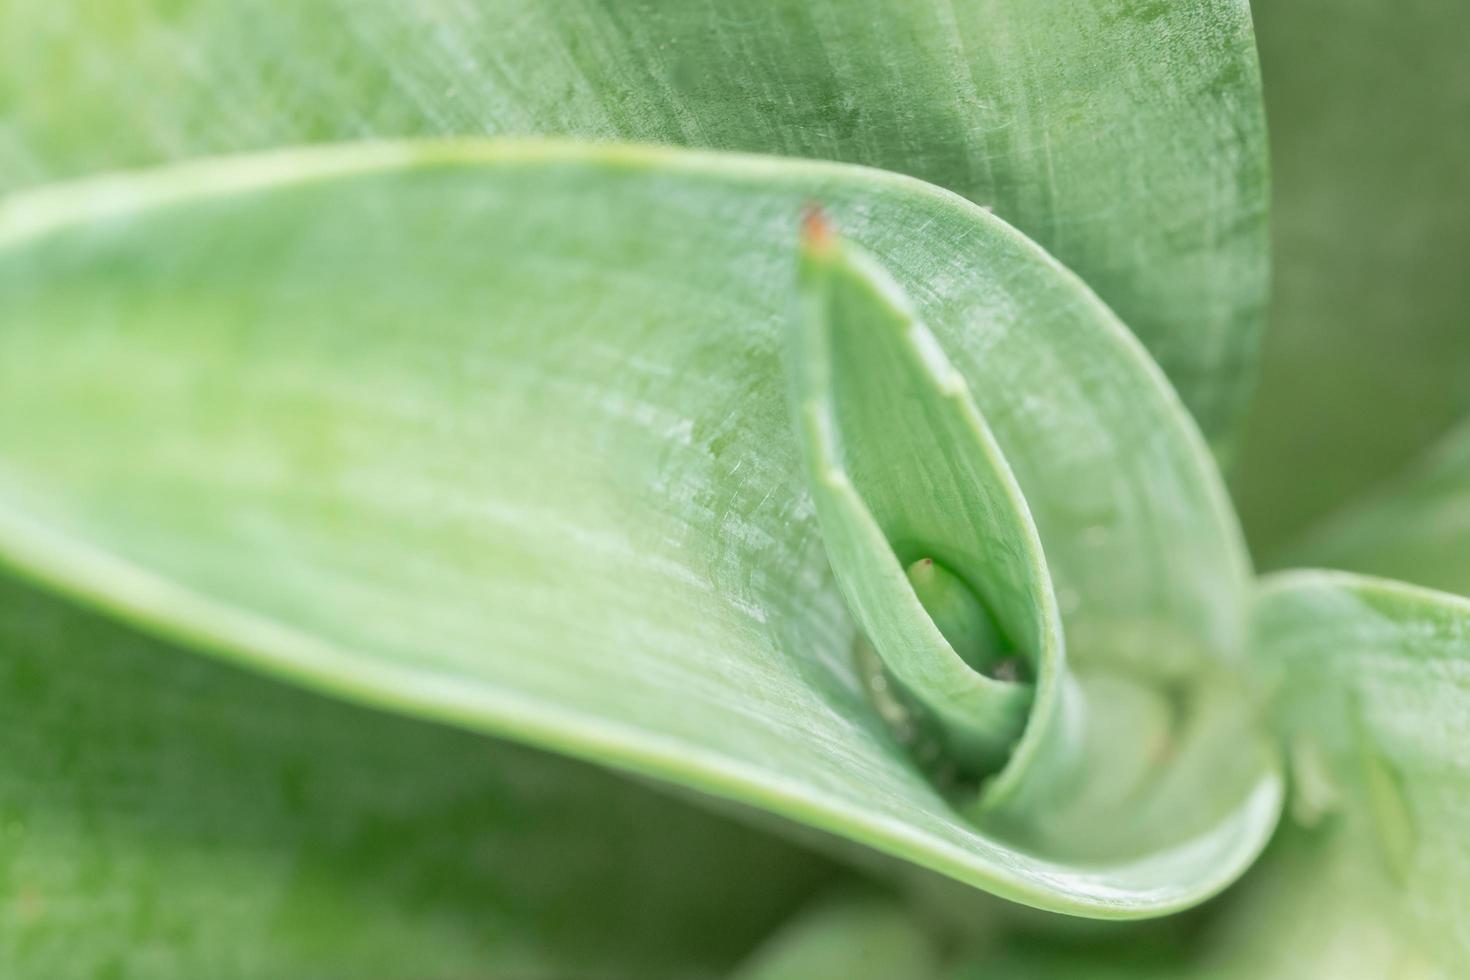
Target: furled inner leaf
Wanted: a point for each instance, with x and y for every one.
(498, 435)
(904, 472)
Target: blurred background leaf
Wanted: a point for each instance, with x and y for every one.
(1367, 357)
(1415, 528)
(847, 935)
(169, 817)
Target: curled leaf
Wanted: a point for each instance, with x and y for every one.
(496, 435)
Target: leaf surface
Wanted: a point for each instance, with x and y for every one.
(497, 435)
(1125, 136)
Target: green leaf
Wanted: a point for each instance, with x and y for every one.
(902, 468)
(1126, 137)
(496, 435)
(1368, 877)
(1367, 361)
(167, 817)
(1415, 528)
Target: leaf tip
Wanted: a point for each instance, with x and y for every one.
(817, 234)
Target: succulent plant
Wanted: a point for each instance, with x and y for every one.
(732, 490)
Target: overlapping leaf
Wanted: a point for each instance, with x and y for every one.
(1125, 136)
(1368, 879)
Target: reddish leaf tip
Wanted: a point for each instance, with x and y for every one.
(816, 231)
